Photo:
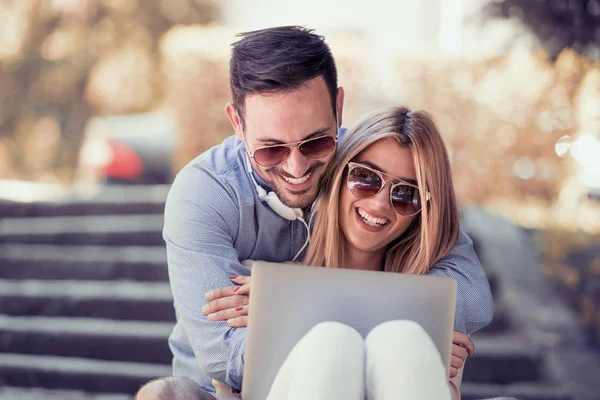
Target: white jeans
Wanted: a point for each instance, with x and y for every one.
(397, 360)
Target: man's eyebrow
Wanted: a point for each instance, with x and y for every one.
(319, 132)
(378, 168)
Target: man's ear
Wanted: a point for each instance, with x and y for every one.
(234, 119)
(339, 103)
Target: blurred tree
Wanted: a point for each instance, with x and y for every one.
(63, 60)
(557, 24)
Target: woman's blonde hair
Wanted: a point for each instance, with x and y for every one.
(434, 231)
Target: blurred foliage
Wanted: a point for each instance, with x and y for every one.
(196, 65)
(64, 60)
(502, 118)
(557, 24)
(567, 106)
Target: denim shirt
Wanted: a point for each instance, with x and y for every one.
(214, 219)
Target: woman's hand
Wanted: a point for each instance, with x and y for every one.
(462, 345)
(229, 303)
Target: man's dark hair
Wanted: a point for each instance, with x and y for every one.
(279, 59)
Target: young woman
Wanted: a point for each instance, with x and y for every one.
(387, 205)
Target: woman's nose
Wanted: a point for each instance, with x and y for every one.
(381, 200)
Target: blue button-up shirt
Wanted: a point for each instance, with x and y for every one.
(214, 219)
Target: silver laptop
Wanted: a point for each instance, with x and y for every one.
(289, 299)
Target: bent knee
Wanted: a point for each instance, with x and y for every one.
(329, 352)
(398, 329)
(334, 332)
(403, 339)
(332, 338)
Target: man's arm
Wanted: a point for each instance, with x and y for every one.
(201, 224)
(474, 304)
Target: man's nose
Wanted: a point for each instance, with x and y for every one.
(297, 163)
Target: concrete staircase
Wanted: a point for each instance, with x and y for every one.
(86, 309)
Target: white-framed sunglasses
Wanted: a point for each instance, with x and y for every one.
(365, 182)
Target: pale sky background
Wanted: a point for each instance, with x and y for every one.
(427, 27)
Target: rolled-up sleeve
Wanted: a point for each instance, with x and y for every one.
(201, 225)
(474, 303)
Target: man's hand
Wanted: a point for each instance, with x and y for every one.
(229, 303)
(462, 345)
(224, 392)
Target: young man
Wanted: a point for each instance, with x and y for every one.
(219, 210)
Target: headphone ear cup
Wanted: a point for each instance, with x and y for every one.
(275, 204)
(281, 209)
(262, 194)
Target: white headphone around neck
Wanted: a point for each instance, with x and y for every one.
(279, 208)
(273, 201)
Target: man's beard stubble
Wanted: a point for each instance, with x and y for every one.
(305, 202)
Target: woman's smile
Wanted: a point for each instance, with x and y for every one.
(371, 222)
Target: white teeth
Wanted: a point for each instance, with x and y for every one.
(297, 181)
(370, 220)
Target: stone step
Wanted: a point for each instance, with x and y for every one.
(103, 200)
(520, 391)
(144, 342)
(13, 393)
(9, 209)
(534, 307)
(498, 359)
(38, 261)
(107, 230)
(470, 391)
(95, 376)
(26, 370)
(78, 298)
(119, 300)
(503, 359)
(23, 261)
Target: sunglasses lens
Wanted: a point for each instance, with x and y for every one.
(363, 183)
(319, 147)
(406, 200)
(270, 156)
